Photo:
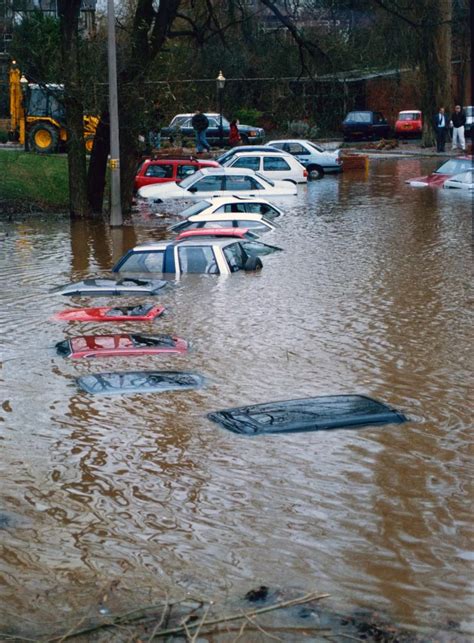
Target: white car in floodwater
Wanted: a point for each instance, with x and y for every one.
(463, 181)
(213, 182)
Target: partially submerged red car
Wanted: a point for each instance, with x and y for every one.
(145, 312)
(437, 178)
(166, 169)
(409, 123)
(238, 233)
(120, 345)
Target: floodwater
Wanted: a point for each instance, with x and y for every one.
(119, 501)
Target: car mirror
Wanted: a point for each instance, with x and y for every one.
(192, 189)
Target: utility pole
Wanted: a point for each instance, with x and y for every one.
(114, 163)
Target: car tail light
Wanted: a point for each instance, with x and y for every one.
(305, 172)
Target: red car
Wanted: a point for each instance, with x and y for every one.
(164, 170)
(437, 178)
(238, 233)
(409, 123)
(146, 312)
(120, 345)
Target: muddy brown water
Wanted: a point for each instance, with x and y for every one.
(119, 501)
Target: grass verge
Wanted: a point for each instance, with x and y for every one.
(34, 181)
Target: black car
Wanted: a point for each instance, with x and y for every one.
(365, 125)
(181, 126)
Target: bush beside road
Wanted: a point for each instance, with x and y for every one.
(31, 181)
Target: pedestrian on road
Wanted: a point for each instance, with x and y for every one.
(440, 124)
(458, 120)
(200, 125)
(234, 136)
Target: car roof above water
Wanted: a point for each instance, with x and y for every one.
(162, 245)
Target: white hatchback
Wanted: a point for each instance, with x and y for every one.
(273, 165)
(213, 181)
(253, 222)
(225, 205)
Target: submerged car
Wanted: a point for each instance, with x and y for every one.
(233, 204)
(254, 222)
(139, 382)
(143, 312)
(409, 123)
(249, 240)
(463, 181)
(181, 126)
(201, 256)
(445, 171)
(87, 346)
(313, 157)
(227, 155)
(273, 165)
(101, 287)
(213, 182)
(166, 169)
(365, 124)
(311, 414)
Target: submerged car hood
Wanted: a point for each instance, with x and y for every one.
(170, 190)
(435, 180)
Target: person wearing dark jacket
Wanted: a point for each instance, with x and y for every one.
(200, 125)
(458, 120)
(440, 125)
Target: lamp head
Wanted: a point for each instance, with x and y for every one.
(220, 80)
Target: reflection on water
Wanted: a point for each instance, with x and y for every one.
(370, 297)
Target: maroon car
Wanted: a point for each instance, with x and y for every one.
(437, 178)
(120, 345)
(146, 312)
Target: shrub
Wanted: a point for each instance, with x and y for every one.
(302, 129)
(248, 116)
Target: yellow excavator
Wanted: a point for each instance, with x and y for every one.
(37, 116)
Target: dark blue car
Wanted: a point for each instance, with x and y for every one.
(365, 125)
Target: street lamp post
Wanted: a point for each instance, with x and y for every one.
(220, 80)
(116, 218)
(24, 105)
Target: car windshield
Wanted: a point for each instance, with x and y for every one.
(455, 166)
(196, 208)
(225, 157)
(318, 148)
(189, 180)
(178, 120)
(469, 110)
(358, 117)
(465, 177)
(409, 116)
(265, 179)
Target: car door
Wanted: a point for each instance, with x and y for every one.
(277, 168)
(243, 185)
(246, 162)
(207, 186)
(298, 151)
(380, 125)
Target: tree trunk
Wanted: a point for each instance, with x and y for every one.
(435, 64)
(69, 12)
(96, 176)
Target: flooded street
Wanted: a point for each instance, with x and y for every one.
(141, 496)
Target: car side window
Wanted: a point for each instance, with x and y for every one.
(255, 226)
(235, 257)
(296, 148)
(249, 162)
(236, 183)
(199, 259)
(144, 262)
(275, 164)
(160, 171)
(234, 207)
(208, 184)
(217, 224)
(214, 123)
(186, 170)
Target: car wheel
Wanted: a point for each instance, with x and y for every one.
(315, 172)
(43, 138)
